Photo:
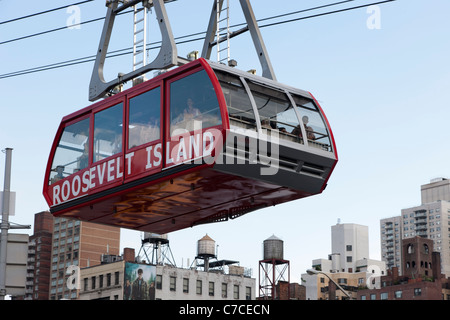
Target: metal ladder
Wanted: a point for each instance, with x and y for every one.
(139, 38)
(223, 25)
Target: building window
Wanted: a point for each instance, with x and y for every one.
(417, 291)
(373, 296)
(349, 258)
(224, 290)
(349, 247)
(173, 284)
(116, 278)
(398, 294)
(236, 291)
(363, 297)
(93, 283)
(159, 281)
(185, 285)
(199, 287)
(211, 289)
(248, 293)
(85, 284)
(100, 280)
(384, 296)
(108, 279)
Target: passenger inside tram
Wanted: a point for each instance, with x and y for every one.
(266, 124)
(59, 174)
(309, 131)
(84, 158)
(193, 104)
(190, 112)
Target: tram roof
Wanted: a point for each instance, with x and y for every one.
(185, 68)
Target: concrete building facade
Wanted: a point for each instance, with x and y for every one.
(106, 282)
(348, 265)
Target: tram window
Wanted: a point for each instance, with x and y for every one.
(316, 130)
(144, 118)
(276, 112)
(193, 104)
(240, 109)
(108, 125)
(72, 153)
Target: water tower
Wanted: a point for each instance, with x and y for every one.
(206, 249)
(273, 268)
(158, 244)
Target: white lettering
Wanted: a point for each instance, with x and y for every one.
(118, 173)
(168, 158)
(91, 176)
(194, 142)
(56, 191)
(65, 195)
(86, 181)
(208, 136)
(110, 170)
(181, 150)
(149, 163)
(101, 172)
(157, 152)
(76, 190)
(128, 156)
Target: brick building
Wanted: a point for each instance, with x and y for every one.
(421, 277)
(290, 291)
(39, 257)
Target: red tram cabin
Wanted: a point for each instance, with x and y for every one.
(201, 143)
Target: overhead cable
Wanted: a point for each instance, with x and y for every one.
(127, 51)
(46, 11)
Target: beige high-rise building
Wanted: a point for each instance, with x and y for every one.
(437, 189)
(80, 244)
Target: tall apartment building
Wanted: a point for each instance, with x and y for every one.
(81, 244)
(391, 236)
(39, 257)
(429, 220)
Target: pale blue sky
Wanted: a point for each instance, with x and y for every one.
(385, 93)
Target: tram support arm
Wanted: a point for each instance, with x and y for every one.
(252, 26)
(166, 58)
